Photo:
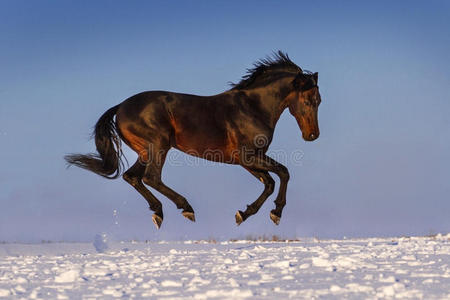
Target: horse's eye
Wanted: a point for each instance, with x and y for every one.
(307, 102)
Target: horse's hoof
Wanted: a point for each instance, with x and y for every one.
(275, 218)
(189, 215)
(239, 217)
(157, 220)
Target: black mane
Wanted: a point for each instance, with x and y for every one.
(279, 61)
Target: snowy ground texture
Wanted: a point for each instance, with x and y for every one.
(417, 267)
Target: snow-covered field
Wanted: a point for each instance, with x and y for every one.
(417, 267)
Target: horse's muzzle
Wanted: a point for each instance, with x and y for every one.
(311, 137)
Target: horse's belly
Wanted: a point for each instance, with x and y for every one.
(211, 147)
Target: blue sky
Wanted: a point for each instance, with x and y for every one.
(380, 167)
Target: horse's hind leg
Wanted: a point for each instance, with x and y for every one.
(269, 185)
(134, 177)
(152, 177)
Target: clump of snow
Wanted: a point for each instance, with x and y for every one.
(101, 242)
(5, 293)
(321, 262)
(68, 276)
(335, 288)
(304, 266)
(171, 283)
(193, 272)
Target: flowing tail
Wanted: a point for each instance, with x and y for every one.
(107, 162)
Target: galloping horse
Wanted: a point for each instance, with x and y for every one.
(235, 126)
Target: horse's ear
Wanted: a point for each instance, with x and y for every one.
(316, 77)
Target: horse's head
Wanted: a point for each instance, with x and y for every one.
(303, 104)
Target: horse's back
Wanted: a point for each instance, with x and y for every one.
(191, 123)
(158, 108)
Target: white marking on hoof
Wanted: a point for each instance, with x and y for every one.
(189, 215)
(157, 220)
(239, 218)
(275, 218)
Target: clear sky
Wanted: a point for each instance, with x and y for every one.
(380, 167)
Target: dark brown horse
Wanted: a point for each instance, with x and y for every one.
(234, 127)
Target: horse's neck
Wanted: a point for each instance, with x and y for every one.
(272, 100)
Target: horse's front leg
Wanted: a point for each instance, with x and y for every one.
(266, 163)
(269, 185)
(280, 201)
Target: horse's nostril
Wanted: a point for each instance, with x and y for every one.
(312, 136)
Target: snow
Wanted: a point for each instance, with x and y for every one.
(101, 242)
(416, 267)
(68, 276)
